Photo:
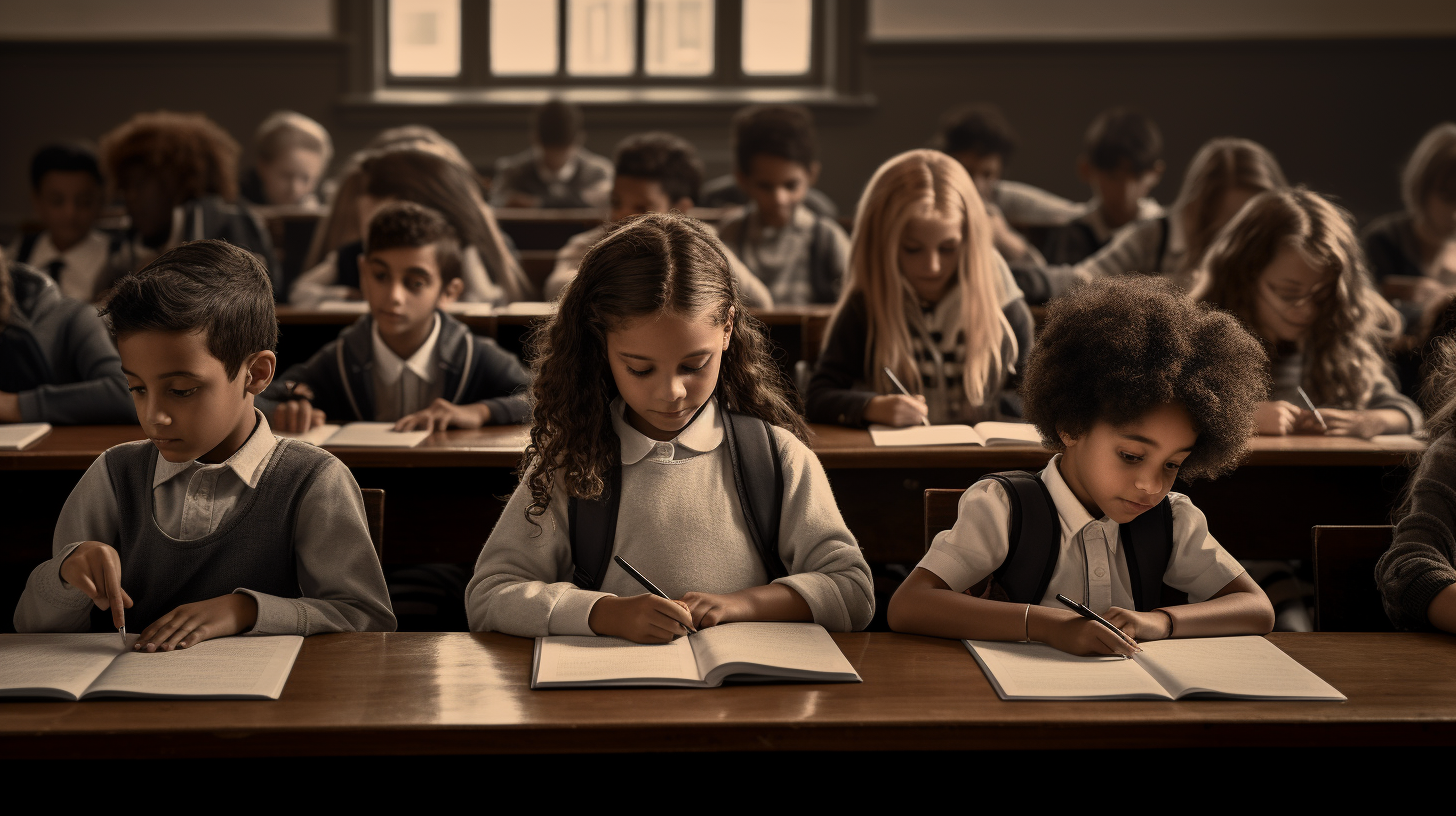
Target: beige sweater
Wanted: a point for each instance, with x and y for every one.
(680, 525)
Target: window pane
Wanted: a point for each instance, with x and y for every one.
(523, 38)
(424, 38)
(601, 37)
(776, 37)
(679, 38)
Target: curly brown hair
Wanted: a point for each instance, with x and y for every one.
(654, 263)
(1123, 346)
(189, 153)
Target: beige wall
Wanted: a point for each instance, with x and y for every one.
(164, 19)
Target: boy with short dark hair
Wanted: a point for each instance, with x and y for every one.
(66, 190)
(406, 361)
(556, 171)
(212, 526)
(1122, 163)
(655, 172)
(800, 255)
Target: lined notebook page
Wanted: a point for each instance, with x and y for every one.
(1036, 671)
(588, 659)
(792, 646)
(885, 436)
(237, 667)
(1238, 666)
(374, 435)
(39, 665)
(1006, 433)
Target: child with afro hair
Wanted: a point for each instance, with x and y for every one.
(1133, 384)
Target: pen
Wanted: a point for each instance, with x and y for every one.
(642, 579)
(1314, 410)
(1090, 615)
(903, 390)
(121, 630)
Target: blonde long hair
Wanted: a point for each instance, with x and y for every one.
(1219, 166)
(920, 184)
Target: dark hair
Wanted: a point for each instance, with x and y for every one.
(979, 129)
(410, 225)
(1121, 137)
(785, 131)
(188, 153)
(650, 264)
(556, 124)
(1123, 346)
(664, 158)
(203, 286)
(64, 157)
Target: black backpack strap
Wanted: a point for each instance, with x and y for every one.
(1147, 543)
(759, 477)
(27, 247)
(1035, 537)
(593, 532)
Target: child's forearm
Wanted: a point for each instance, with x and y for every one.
(919, 607)
(1391, 420)
(1237, 613)
(774, 602)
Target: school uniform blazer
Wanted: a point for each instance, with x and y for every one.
(475, 370)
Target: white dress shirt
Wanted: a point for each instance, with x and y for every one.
(405, 385)
(79, 267)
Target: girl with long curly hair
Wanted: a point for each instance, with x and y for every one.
(641, 379)
(1290, 267)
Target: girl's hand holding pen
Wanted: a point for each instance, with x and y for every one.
(1076, 635)
(897, 410)
(1153, 625)
(640, 618)
(95, 569)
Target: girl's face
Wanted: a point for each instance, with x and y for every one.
(1124, 471)
(929, 254)
(290, 177)
(666, 366)
(1288, 296)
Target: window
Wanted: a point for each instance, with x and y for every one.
(514, 43)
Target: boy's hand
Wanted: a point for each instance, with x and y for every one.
(1153, 625)
(95, 569)
(1076, 635)
(1279, 418)
(190, 624)
(897, 410)
(442, 414)
(710, 610)
(296, 416)
(640, 618)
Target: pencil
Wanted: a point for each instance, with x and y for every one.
(903, 390)
(1313, 410)
(650, 587)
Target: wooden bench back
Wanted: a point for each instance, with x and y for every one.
(1345, 596)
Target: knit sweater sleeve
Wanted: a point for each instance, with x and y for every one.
(98, 393)
(1418, 564)
(825, 564)
(832, 395)
(1387, 395)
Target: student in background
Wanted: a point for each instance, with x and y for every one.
(1420, 241)
(556, 171)
(57, 363)
(650, 362)
(66, 190)
(293, 151)
(800, 255)
(489, 271)
(1128, 412)
(212, 526)
(653, 173)
(406, 361)
(178, 174)
(1122, 163)
(929, 298)
(1223, 176)
(729, 191)
(1290, 267)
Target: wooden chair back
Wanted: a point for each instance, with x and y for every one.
(374, 515)
(940, 511)
(1345, 596)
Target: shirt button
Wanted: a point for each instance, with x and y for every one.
(1099, 572)
(664, 450)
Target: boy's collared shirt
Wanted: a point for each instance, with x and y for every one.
(403, 386)
(1148, 209)
(779, 256)
(76, 270)
(1090, 565)
(191, 499)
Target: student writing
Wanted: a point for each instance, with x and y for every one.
(292, 153)
(556, 171)
(647, 368)
(66, 192)
(1134, 385)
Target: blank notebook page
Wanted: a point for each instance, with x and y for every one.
(584, 659)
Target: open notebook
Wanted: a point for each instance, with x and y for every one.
(755, 652)
(22, 435)
(76, 667)
(1245, 668)
(359, 435)
(984, 433)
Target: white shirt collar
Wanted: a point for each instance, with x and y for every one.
(703, 434)
(390, 366)
(1074, 516)
(247, 462)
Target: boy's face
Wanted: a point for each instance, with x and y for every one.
(403, 288)
(777, 185)
(1123, 472)
(185, 401)
(666, 366)
(1120, 190)
(67, 204)
(985, 170)
(929, 254)
(290, 177)
(635, 196)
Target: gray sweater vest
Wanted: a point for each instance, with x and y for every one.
(251, 550)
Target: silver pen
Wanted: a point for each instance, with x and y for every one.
(1310, 403)
(121, 630)
(903, 390)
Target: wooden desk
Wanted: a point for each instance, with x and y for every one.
(403, 694)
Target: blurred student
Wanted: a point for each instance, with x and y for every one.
(293, 152)
(729, 191)
(66, 191)
(1122, 163)
(653, 172)
(799, 255)
(556, 172)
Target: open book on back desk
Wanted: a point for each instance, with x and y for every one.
(81, 666)
(984, 433)
(22, 435)
(1244, 668)
(358, 435)
(757, 652)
